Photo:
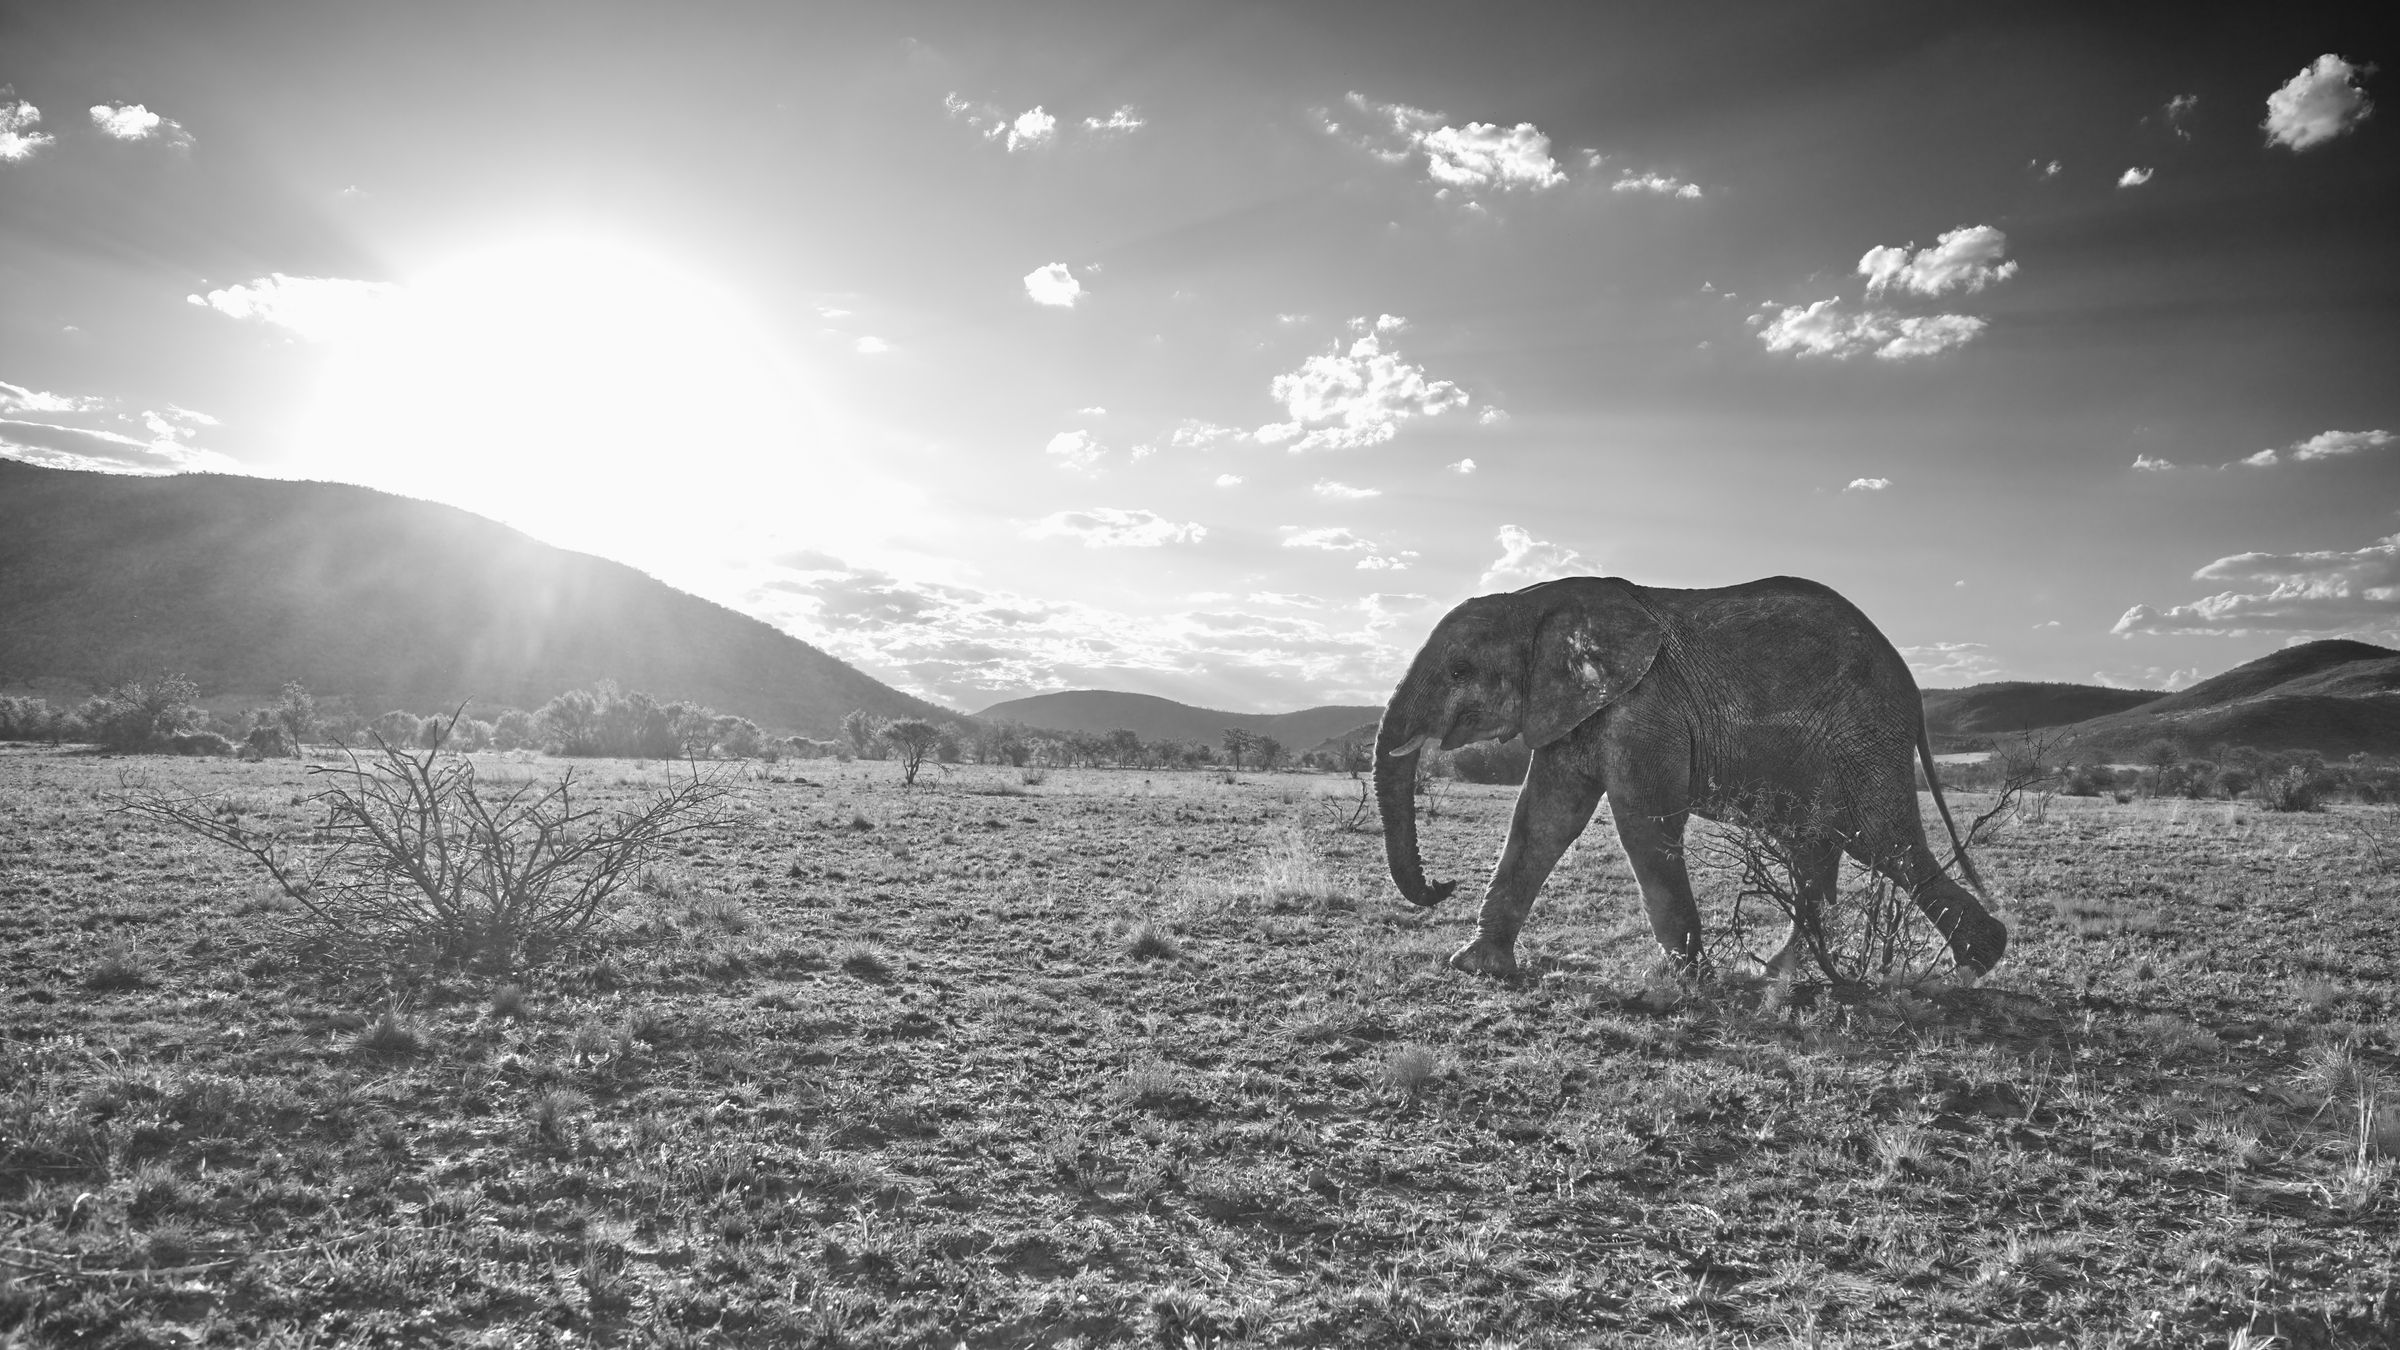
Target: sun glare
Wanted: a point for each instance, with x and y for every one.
(584, 391)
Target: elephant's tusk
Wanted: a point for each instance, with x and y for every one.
(1408, 747)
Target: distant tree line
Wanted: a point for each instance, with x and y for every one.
(2278, 780)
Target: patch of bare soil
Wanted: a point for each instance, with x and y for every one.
(1159, 1058)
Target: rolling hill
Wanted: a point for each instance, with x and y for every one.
(1154, 718)
(2334, 697)
(2022, 705)
(244, 583)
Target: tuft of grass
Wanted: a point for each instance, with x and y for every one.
(389, 1036)
(1146, 941)
(859, 821)
(1410, 1068)
(119, 967)
(552, 1114)
(863, 961)
(508, 1002)
(1033, 775)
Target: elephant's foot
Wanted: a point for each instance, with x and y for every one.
(1485, 956)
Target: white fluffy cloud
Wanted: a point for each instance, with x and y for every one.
(1525, 560)
(1113, 527)
(1194, 434)
(2317, 594)
(1968, 259)
(1077, 450)
(1968, 662)
(1472, 159)
(2323, 445)
(102, 436)
(133, 122)
(2178, 113)
(1053, 284)
(1868, 485)
(1826, 329)
(1230, 480)
(1658, 184)
(2150, 464)
(2134, 177)
(2324, 100)
(870, 345)
(1032, 127)
(318, 309)
(1341, 401)
(18, 118)
(1372, 556)
(1343, 492)
(1124, 119)
(1464, 466)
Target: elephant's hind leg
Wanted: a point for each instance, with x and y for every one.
(1819, 873)
(1976, 939)
(1561, 791)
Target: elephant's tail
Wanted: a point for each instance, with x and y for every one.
(1958, 847)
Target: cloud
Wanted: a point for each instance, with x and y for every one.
(166, 445)
(2151, 465)
(1656, 183)
(1471, 159)
(1825, 329)
(1965, 259)
(2042, 170)
(1053, 284)
(1031, 127)
(1525, 560)
(1077, 450)
(2178, 114)
(1124, 119)
(2134, 177)
(133, 122)
(2324, 100)
(2148, 677)
(1342, 401)
(318, 309)
(1464, 466)
(1112, 527)
(2323, 445)
(1229, 480)
(2319, 594)
(1194, 434)
(1343, 492)
(18, 398)
(1868, 485)
(870, 346)
(1491, 417)
(1969, 661)
(1373, 557)
(18, 118)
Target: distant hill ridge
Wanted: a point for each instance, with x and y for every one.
(243, 583)
(1154, 718)
(2335, 696)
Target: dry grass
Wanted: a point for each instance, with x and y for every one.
(1158, 1058)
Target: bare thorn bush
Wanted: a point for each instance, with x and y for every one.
(413, 854)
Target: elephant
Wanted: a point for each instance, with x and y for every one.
(1671, 701)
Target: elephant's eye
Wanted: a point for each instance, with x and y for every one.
(1460, 670)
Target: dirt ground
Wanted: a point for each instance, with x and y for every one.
(1159, 1058)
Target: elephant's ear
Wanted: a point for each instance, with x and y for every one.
(1593, 647)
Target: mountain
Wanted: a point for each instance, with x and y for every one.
(1154, 718)
(2022, 705)
(2335, 697)
(244, 583)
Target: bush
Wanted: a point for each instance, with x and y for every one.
(1504, 762)
(417, 856)
(2293, 789)
(2088, 780)
(141, 715)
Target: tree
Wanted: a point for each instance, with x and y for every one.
(2159, 756)
(296, 715)
(1268, 751)
(737, 736)
(911, 738)
(1237, 744)
(863, 728)
(1125, 746)
(141, 715)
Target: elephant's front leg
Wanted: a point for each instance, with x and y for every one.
(1562, 789)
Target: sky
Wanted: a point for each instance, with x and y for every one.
(1215, 350)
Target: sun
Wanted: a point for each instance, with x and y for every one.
(580, 388)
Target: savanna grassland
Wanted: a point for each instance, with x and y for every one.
(1150, 1058)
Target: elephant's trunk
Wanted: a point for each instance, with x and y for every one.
(1395, 793)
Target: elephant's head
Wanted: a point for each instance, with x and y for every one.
(1532, 663)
